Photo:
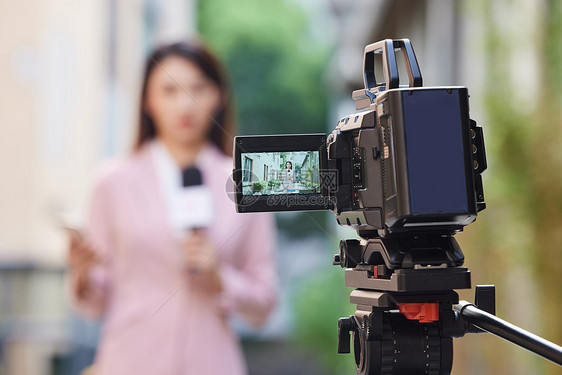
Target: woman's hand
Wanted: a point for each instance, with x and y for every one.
(81, 258)
(201, 260)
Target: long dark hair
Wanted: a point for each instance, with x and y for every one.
(223, 126)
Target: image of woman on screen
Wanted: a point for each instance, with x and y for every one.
(288, 178)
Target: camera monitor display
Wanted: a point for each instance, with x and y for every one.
(279, 173)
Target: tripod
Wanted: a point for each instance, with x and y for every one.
(407, 310)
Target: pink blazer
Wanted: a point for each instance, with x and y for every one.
(155, 321)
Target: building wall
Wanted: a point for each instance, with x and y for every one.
(52, 108)
(69, 79)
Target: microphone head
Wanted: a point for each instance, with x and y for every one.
(191, 177)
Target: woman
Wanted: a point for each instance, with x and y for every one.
(288, 177)
(165, 299)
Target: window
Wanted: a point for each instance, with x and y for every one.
(247, 169)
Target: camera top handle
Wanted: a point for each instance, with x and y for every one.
(390, 67)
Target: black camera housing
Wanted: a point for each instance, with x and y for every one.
(414, 159)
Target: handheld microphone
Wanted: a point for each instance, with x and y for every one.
(194, 205)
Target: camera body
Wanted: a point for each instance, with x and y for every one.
(410, 161)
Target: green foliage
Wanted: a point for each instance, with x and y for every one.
(299, 225)
(275, 67)
(552, 47)
(258, 186)
(313, 185)
(274, 183)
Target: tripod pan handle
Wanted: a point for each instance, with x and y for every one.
(507, 331)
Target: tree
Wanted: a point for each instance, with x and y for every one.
(275, 66)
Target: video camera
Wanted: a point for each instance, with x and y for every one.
(405, 172)
(410, 161)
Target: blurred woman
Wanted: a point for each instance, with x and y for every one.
(165, 295)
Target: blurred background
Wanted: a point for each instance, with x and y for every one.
(69, 86)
